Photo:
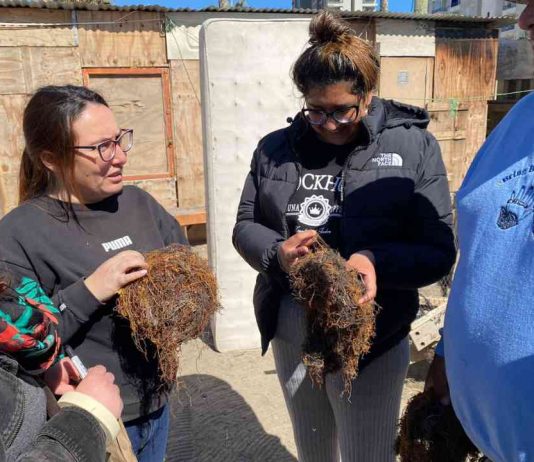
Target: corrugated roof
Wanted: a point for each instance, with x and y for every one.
(503, 20)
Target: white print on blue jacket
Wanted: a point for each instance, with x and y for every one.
(489, 325)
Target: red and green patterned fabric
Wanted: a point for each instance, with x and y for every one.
(28, 326)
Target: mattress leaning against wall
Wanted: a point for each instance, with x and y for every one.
(246, 93)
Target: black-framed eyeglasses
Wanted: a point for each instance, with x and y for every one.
(108, 148)
(342, 116)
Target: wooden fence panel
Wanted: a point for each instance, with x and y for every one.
(406, 79)
(465, 68)
(450, 129)
(11, 145)
(138, 42)
(63, 36)
(185, 77)
(25, 69)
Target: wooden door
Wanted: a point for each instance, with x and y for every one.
(407, 79)
(140, 99)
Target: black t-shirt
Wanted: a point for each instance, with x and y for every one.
(316, 204)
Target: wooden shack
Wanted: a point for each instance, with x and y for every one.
(145, 62)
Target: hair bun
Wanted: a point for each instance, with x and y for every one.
(326, 27)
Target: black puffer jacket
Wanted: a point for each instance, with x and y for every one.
(396, 204)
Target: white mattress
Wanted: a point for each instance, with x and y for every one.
(246, 93)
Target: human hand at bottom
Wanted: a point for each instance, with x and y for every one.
(99, 384)
(364, 263)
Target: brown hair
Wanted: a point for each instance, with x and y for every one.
(47, 126)
(336, 54)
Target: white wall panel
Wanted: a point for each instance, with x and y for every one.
(246, 93)
(405, 38)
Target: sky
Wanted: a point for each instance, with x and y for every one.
(394, 5)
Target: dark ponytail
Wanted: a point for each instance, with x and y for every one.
(336, 54)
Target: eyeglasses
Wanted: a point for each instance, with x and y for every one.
(340, 116)
(108, 148)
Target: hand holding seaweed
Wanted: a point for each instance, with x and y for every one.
(364, 264)
(172, 304)
(295, 247)
(340, 329)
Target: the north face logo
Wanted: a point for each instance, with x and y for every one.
(388, 159)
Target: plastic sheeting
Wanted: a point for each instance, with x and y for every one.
(246, 93)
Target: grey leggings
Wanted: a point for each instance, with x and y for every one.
(326, 426)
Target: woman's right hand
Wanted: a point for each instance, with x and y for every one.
(115, 273)
(295, 247)
(99, 384)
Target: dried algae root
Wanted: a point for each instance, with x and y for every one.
(171, 305)
(339, 329)
(431, 432)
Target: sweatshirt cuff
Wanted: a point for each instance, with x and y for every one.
(79, 300)
(100, 412)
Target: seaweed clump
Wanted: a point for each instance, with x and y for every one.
(430, 432)
(172, 304)
(339, 329)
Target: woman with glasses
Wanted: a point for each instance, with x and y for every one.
(80, 232)
(365, 175)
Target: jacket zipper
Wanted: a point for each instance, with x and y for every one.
(343, 180)
(299, 171)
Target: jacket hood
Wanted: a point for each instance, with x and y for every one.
(382, 114)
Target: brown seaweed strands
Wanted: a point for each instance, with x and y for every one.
(339, 329)
(172, 304)
(431, 432)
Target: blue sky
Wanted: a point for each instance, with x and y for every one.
(394, 5)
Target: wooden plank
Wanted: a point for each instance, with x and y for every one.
(163, 190)
(53, 66)
(451, 130)
(425, 330)
(135, 42)
(64, 36)
(188, 217)
(450, 135)
(476, 133)
(139, 99)
(11, 137)
(465, 68)
(23, 70)
(456, 161)
(407, 79)
(9, 196)
(185, 77)
(11, 146)
(12, 75)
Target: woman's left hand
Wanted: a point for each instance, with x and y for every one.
(364, 263)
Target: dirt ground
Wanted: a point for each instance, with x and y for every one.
(230, 408)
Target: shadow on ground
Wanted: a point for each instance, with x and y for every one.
(210, 422)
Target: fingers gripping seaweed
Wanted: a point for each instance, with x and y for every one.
(172, 304)
(339, 329)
